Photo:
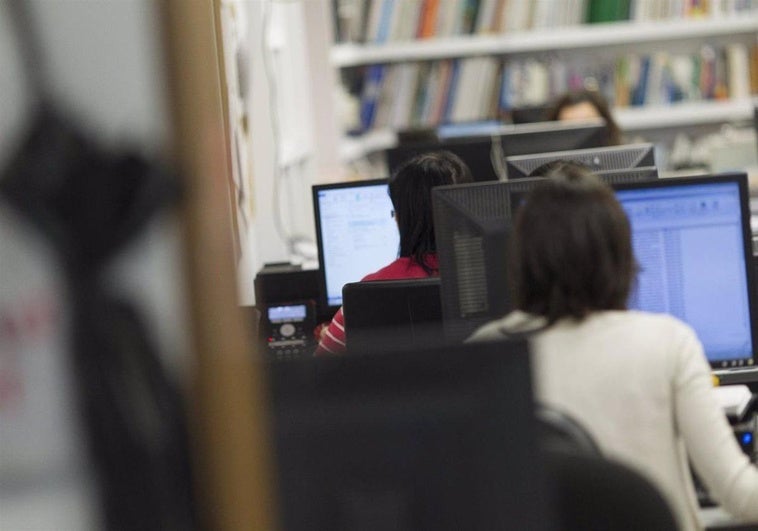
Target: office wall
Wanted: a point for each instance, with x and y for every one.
(293, 131)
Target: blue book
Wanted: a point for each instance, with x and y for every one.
(451, 92)
(385, 21)
(505, 103)
(372, 86)
(638, 94)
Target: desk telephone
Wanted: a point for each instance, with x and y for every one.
(287, 329)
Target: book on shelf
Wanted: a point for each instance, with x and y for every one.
(382, 21)
(429, 93)
(600, 11)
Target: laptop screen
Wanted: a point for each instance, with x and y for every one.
(691, 240)
(356, 232)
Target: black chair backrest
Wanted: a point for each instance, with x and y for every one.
(558, 431)
(596, 493)
(391, 315)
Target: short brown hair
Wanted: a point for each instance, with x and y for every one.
(572, 251)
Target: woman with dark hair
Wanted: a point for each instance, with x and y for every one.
(410, 190)
(639, 382)
(584, 105)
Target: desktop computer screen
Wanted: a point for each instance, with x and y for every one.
(595, 159)
(472, 226)
(434, 440)
(691, 237)
(356, 234)
(485, 155)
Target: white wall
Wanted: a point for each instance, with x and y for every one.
(289, 60)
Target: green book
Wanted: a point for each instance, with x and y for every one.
(600, 11)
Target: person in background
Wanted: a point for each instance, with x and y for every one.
(586, 105)
(638, 382)
(410, 190)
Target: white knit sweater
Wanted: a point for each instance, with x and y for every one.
(641, 385)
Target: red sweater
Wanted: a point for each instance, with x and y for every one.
(333, 338)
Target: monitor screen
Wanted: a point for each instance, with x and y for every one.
(691, 237)
(596, 159)
(485, 155)
(356, 234)
(434, 440)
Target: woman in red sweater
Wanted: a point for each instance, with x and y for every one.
(410, 190)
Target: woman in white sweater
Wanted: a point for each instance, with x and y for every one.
(639, 382)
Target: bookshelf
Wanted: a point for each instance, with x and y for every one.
(543, 40)
(570, 43)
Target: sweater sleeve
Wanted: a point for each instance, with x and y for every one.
(712, 447)
(333, 339)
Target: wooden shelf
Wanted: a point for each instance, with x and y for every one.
(629, 119)
(566, 38)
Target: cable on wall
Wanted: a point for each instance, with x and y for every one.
(296, 244)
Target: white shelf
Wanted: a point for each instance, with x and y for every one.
(355, 147)
(629, 119)
(684, 114)
(575, 37)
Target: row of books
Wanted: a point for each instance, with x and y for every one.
(429, 93)
(382, 21)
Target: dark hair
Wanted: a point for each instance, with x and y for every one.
(572, 251)
(598, 101)
(410, 190)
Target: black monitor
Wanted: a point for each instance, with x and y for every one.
(485, 155)
(472, 224)
(356, 234)
(392, 315)
(596, 159)
(439, 440)
(472, 229)
(692, 239)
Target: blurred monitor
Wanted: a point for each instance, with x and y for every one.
(356, 234)
(392, 315)
(691, 237)
(485, 155)
(597, 159)
(438, 440)
(527, 115)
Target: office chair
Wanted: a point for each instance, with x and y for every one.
(392, 315)
(590, 492)
(557, 431)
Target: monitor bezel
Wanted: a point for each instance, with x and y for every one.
(740, 178)
(323, 299)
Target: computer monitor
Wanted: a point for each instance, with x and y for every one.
(392, 315)
(630, 175)
(691, 237)
(485, 155)
(596, 159)
(472, 229)
(356, 234)
(472, 226)
(436, 440)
